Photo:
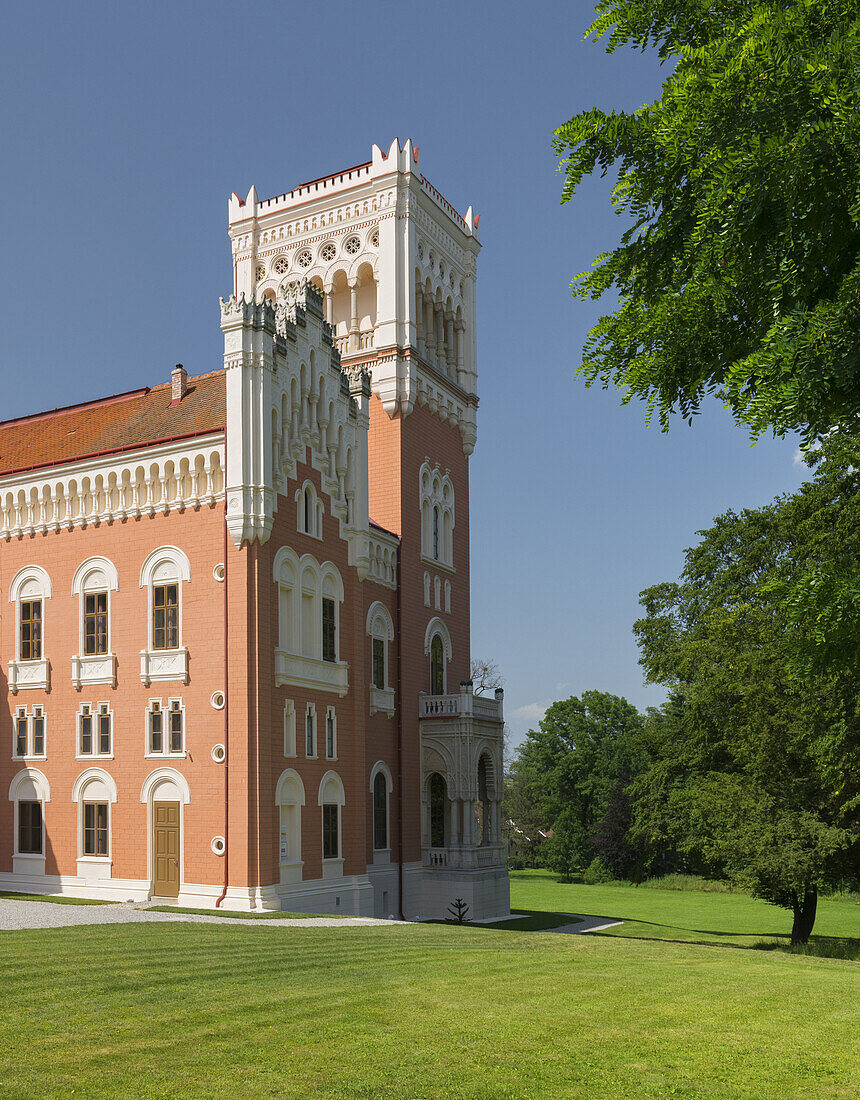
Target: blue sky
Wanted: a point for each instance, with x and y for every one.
(125, 128)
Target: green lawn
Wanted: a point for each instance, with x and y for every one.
(674, 915)
(427, 1012)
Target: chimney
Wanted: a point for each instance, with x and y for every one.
(179, 383)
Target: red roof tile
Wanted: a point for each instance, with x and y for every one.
(123, 422)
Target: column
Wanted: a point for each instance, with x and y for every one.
(459, 327)
(419, 322)
(430, 337)
(353, 316)
(450, 356)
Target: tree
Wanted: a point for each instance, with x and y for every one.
(485, 675)
(569, 768)
(739, 272)
(756, 760)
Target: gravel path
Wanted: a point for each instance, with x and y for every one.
(15, 916)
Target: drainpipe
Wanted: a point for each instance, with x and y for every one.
(226, 698)
(399, 748)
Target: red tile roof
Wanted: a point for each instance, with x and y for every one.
(124, 422)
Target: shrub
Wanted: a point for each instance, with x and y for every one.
(597, 872)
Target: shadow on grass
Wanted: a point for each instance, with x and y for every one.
(528, 920)
(819, 947)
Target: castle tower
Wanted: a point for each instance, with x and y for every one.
(396, 265)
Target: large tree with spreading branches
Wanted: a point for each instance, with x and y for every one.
(738, 274)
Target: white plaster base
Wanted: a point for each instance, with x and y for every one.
(486, 892)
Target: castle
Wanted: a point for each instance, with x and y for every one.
(237, 636)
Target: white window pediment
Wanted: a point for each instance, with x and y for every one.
(94, 785)
(95, 574)
(30, 583)
(165, 565)
(30, 785)
(331, 790)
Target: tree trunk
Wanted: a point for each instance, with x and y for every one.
(804, 908)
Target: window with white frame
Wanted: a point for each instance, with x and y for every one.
(331, 801)
(310, 596)
(437, 646)
(165, 728)
(29, 792)
(164, 574)
(437, 515)
(93, 582)
(381, 787)
(28, 592)
(94, 791)
(309, 511)
(380, 627)
(289, 728)
(29, 733)
(95, 730)
(331, 734)
(289, 798)
(310, 730)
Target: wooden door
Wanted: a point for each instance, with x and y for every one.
(165, 846)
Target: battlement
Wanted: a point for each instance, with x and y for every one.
(339, 185)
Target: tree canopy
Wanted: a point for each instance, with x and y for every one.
(739, 274)
(756, 760)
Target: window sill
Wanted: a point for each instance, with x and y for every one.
(382, 699)
(311, 673)
(333, 867)
(24, 759)
(101, 860)
(29, 674)
(435, 563)
(93, 756)
(381, 856)
(166, 755)
(96, 668)
(163, 664)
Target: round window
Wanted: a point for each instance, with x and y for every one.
(374, 240)
(217, 700)
(304, 258)
(281, 266)
(260, 272)
(352, 246)
(219, 572)
(328, 252)
(218, 845)
(219, 754)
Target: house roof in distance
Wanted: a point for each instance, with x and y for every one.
(126, 421)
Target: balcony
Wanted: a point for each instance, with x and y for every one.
(311, 672)
(463, 704)
(464, 858)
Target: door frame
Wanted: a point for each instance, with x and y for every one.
(164, 785)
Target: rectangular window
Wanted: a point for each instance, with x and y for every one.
(329, 652)
(330, 838)
(95, 829)
(176, 725)
(165, 616)
(156, 741)
(104, 731)
(95, 623)
(85, 732)
(31, 630)
(38, 731)
(329, 736)
(310, 747)
(21, 734)
(30, 828)
(378, 663)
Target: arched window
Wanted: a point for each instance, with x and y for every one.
(437, 666)
(94, 791)
(331, 801)
(380, 627)
(29, 791)
(163, 574)
(30, 588)
(380, 812)
(482, 805)
(93, 583)
(309, 599)
(437, 646)
(309, 510)
(437, 515)
(437, 797)
(289, 798)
